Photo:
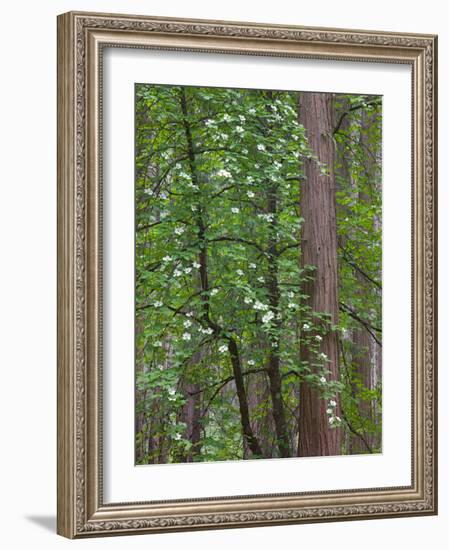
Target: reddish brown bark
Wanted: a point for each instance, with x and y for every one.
(319, 249)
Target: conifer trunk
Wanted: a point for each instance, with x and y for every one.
(319, 249)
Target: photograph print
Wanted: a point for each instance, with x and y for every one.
(258, 274)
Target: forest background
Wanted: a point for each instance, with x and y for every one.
(258, 274)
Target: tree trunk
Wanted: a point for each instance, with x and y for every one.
(257, 389)
(274, 369)
(319, 249)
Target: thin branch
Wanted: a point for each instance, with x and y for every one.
(356, 433)
(222, 383)
(370, 328)
(237, 240)
(288, 247)
(374, 102)
(347, 258)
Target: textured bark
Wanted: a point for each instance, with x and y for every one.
(319, 248)
(248, 434)
(191, 414)
(258, 392)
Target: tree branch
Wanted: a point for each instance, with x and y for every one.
(347, 258)
(238, 240)
(355, 432)
(374, 102)
(370, 328)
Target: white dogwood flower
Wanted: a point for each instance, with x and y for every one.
(268, 317)
(266, 217)
(224, 173)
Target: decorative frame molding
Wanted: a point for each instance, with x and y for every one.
(81, 36)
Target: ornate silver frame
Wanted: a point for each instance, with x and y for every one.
(81, 37)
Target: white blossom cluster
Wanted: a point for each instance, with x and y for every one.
(268, 317)
(266, 217)
(332, 417)
(223, 173)
(260, 306)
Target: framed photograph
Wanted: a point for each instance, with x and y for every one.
(246, 274)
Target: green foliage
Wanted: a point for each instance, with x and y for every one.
(218, 242)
